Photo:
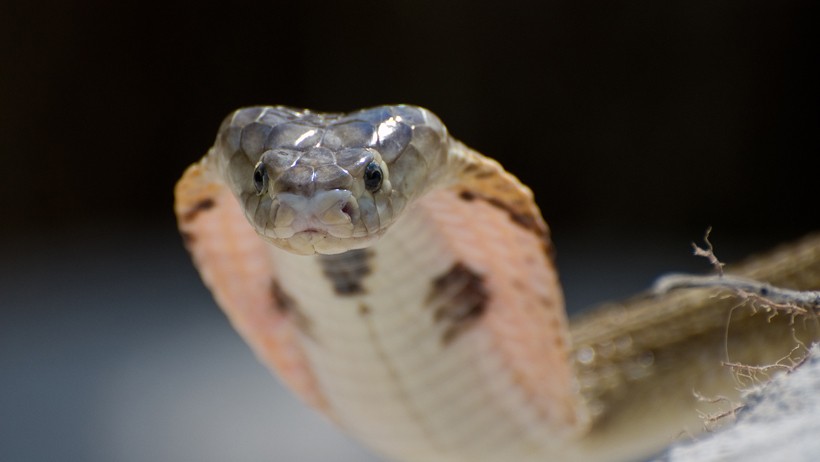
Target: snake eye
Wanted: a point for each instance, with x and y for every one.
(260, 178)
(372, 177)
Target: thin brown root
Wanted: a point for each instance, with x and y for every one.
(713, 420)
(709, 252)
(748, 375)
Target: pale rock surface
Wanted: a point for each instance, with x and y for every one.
(780, 421)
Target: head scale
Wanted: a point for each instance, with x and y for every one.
(327, 183)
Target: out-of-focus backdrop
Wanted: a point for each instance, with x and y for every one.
(636, 123)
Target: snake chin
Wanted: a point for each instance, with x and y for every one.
(314, 241)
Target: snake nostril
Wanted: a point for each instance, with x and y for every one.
(347, 209)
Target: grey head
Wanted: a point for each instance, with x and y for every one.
(312, 182)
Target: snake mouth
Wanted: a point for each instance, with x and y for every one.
(330, 213)
(328, 222)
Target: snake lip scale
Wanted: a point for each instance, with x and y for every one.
(403, 285)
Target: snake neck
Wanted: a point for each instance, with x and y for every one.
(417, 366)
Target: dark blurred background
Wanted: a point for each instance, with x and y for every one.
(636, 123)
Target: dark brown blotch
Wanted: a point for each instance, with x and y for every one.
(467, 195)
(548, 249)
(188, 239)
(284, 303)
(526, 220)
(347, 271)
(201, 206)
(458, 298)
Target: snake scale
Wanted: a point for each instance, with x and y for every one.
(403, 285)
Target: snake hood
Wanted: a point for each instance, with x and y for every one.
(326, 183)
(447, 340)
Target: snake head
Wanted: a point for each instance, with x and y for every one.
(327, 183)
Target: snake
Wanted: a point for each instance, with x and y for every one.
(403, 285)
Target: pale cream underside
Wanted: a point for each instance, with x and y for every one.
(386, 374)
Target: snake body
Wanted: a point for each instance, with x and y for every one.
(403, 284)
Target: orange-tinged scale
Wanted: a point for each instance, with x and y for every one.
(235, 265)
(522, 324)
